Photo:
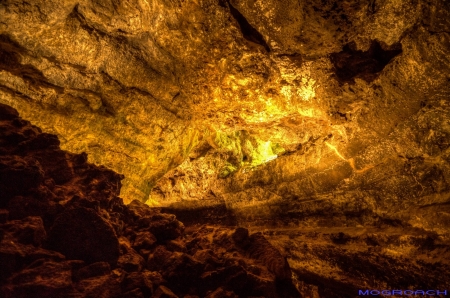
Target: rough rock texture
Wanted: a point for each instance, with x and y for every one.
(319, 123)
(83, 69)
(137, 85)
(74, 237)
(83, 234)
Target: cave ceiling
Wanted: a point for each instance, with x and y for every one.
(266, 107)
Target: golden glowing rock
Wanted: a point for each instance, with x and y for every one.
(303, 117)
(229, 88)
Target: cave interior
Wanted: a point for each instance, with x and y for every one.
(224, 148)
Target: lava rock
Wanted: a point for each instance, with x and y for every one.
(62, 226)
(138, 280)
(231, 277)
(157, 260)
(164, 292)
(82, 234)
(92, 270)
(340, 238)
(165, 226)
(104, 286)
(137, 210)
(209, 258)
(136, 293)
(241, 237)
(43, 141)
(4, 214)
(33, 204)
(29, 230)
(144, 240)
(257, 247)
(179, 269)
(261, 250)
(162, 225)
(47, 279)
(17, 176)
(15, 257)
(176, 245)
(7, 112)
(221, 293)
(131, 261)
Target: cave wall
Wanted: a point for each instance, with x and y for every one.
(322, 124)
(334, 97)
(137, 85)
(373, 139)
(93, 73)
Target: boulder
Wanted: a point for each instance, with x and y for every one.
(261, 250)
(221, 293)
(47, 279)
(144, 240)
(104, 286)
(7, 112)
(92, 270)
(82, 234)
(179, 269)
(164, 226)
(17, 176)
(164, 292)
(138, 280)
(131, 261)
(29, 230)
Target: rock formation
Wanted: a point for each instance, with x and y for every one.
(65, 233)
(322, 125)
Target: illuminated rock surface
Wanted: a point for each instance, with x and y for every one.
(75, 237)
(137, 85)
(323, 124)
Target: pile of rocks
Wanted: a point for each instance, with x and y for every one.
(64, 232)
